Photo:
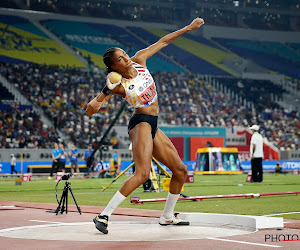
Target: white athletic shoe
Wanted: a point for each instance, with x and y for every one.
(174, 220)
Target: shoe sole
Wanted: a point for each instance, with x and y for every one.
(178, 224)
(101, 228)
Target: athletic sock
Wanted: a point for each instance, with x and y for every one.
(170, 204)
(114, 202)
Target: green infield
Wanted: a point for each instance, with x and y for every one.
(88, 192)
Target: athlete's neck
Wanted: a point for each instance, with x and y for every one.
(130, 73)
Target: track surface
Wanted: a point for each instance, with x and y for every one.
(29, 226)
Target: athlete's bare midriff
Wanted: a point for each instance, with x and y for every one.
(150, 110)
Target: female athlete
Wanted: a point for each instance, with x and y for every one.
(137, 87)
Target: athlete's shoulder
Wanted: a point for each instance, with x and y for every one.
(139, 59)
(137, 65)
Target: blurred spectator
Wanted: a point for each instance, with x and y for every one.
(256, 154)
(13, 162)
(87, 156)
(73, 154)
(278, 168)
(56, 154)
(115, 143)
(116, 163)
(63, 158)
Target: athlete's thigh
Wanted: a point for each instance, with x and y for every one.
(142, 146)
(165, 152)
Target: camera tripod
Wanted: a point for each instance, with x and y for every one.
(63, 203)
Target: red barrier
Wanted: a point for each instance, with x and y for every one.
(26, 177)
(190, 177)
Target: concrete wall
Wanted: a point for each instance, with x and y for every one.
(290, 155)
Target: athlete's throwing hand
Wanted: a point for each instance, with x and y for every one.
(196, 23)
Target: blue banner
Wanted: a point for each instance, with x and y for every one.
(270, 165)
(246, 165)
(5, 166)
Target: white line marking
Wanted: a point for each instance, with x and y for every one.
(243, 242)
(46, 225)
(45, 221)
(111, 222)
(58, 224)
(134, 222)
(282, 214)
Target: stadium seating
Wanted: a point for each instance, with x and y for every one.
(281, 50)
(93, 39)
(185, 100)
(20, 127)
(5, 95)
(63, 93)
(272, 56)
(256, 91)
(155, 63)
(198, 57)
(23, 41)
(83, 37)
(296, 46)
(203, 40)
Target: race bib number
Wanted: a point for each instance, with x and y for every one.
(148, 94)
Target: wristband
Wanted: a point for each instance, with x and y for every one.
(106, 90)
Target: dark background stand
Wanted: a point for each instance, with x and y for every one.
(63, 203)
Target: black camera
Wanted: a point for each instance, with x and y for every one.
(66, 176)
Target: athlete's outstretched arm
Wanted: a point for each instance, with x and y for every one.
(142, 55)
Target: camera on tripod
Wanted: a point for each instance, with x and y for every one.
(66, 177)
(63, 203)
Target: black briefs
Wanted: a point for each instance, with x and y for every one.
(138, 118)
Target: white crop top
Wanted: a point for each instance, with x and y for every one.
(141, 90)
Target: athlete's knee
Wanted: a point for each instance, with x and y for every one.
(142, 177)
(180, 172)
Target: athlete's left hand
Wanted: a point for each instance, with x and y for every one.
(196, 24)
(109, 84)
